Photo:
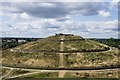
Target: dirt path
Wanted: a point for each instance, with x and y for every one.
(61, 57)
(61, 63)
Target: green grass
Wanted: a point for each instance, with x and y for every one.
(93, 74)
(43, 75)
(43, 45)
(18, 72)
(72, 37)
(53, 38)
(40, 45)
(4, 71)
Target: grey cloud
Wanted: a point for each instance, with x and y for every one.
(116, 29)
(52, 26)
(36, 10)
(88, 8)
(9, 25)
(56, 10)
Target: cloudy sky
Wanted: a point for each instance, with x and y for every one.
(42, 19)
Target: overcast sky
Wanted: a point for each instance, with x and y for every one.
(42, 19)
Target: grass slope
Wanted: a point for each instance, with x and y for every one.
(51, 59)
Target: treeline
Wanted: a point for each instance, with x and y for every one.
(111, 42)
(6, 45)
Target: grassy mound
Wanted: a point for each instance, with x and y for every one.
(51, 59)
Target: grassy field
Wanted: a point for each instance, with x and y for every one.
(43, 75)
(93, 74)
(19, 72)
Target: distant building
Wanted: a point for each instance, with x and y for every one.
(13, 39)
(21, 40)
(9, 40)
(119, 45)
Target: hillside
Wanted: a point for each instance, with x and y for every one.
(58, 52)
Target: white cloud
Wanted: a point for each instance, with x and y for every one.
(44, 19)
(47, 27)
(25, 16)
(50, 5)
(104, 14)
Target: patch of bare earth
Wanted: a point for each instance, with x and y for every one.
(61, 74)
